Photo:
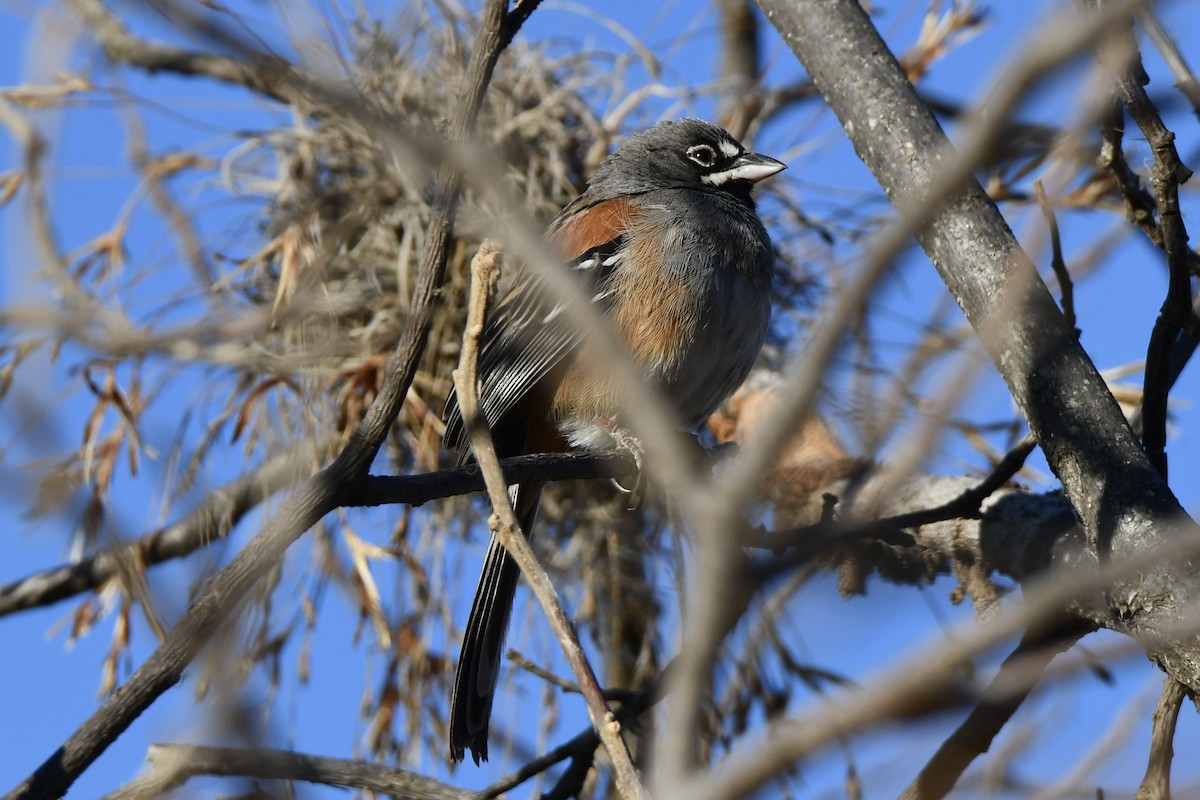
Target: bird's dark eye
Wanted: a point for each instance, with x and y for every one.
(702, 154)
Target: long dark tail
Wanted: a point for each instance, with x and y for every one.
(483, 639)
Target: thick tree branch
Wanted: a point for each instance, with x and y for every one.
(1124, 505)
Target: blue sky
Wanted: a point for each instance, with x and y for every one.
(52, 688)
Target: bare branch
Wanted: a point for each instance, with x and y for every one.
(210, 521)
(220, 512)
(1065, 285)
(1116, 492)
(1017, 677)
(740, 96)
(504, 524)
(584, 743)
(933, 679)
(172, 765)
(1185, 79)
(1156, 785)
(1119, 55)
(267, 75)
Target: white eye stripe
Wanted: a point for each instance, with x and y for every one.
(730, 149)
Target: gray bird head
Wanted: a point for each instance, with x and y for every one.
(689, 153)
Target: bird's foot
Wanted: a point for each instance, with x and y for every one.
(625, 440)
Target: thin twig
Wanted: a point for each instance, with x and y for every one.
(570, 783)
(484, 275)
(805, 543)
(969, 502)
(1119, 55)
(612, 695)
(1185, 79)
(584, 742)
(1140, 208)
(1057, 263)
(1016, 678)
(1156, 785)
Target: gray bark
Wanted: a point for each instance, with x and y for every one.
(1125, 507)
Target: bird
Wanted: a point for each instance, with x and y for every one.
(668, 245)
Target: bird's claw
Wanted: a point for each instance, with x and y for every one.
(630, 444)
